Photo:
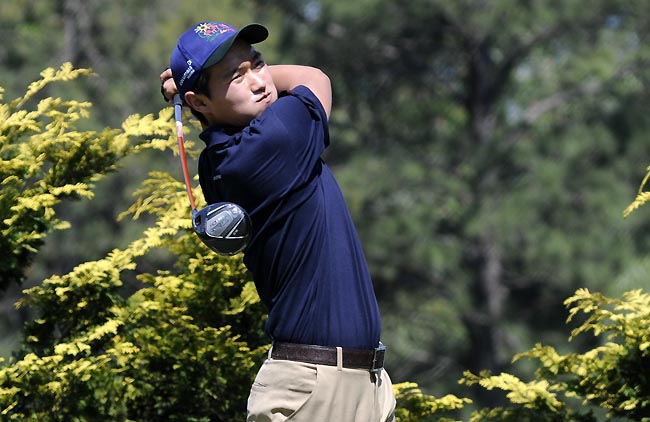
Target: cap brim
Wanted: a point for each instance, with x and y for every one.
(252, 33)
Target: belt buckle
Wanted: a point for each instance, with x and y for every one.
(374, 369)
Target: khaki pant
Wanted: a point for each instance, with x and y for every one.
(302, 392)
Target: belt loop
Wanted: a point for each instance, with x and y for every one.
(377, 362)
(339, 358)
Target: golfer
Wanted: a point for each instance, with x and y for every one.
(265, 129)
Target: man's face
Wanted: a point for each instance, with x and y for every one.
(241, 87)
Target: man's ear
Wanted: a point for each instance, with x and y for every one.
(196, 101)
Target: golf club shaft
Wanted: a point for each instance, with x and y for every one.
(178, 109)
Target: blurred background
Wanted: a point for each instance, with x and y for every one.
(486, 150)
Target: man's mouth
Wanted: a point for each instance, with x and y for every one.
(264, 97)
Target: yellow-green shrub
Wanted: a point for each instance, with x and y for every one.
(184, 347)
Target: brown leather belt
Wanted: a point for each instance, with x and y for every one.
(371, 360)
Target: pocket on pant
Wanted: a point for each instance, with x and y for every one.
(280, 389)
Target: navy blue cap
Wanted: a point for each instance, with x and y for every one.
(204, 45)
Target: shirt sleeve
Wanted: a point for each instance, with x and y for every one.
(314, 107)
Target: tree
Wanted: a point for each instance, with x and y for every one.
(485, 177)
(609, 380)
(185, 346)
(42, 165)
(127, 45)
(91, 353)
(481, 147)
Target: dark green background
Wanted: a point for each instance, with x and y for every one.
(486, 150)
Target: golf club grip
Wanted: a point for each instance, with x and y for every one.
(178, 110)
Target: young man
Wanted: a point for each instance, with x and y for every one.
(265, 128)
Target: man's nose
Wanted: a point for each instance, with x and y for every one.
(255, 81)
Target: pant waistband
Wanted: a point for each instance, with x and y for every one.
(371, 360)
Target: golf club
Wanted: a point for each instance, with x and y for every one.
(224, 227)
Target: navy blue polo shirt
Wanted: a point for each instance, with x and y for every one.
(304, 255)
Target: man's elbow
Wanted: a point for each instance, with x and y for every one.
(324, 91)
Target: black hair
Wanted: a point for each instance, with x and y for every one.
(201, 86)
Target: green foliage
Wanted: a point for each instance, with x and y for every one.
(509, 145)
(611, 378)
(491, 144)
(127, 43)
(413, 406)
(45, 159)
(533, 401)
(642, 197)
(511, 131)
(183, 347)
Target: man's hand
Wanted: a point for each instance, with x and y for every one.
(167, 85)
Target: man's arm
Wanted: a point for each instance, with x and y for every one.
(287, 76)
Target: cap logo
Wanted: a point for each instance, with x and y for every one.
(211, 30)
(188, 73)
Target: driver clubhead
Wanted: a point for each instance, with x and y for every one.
(224, 227)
